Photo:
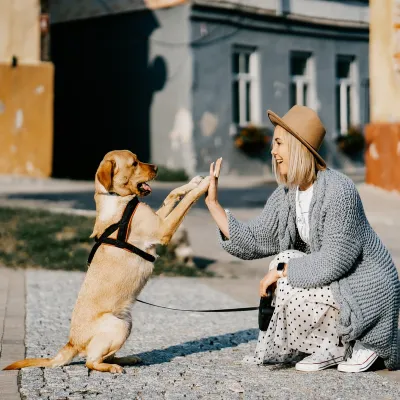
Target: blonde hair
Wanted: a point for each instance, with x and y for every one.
(303, 166)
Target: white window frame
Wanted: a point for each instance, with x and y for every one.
(253, 77)
(308, 78)
(351, 83)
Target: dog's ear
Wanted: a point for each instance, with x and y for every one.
(105, 173)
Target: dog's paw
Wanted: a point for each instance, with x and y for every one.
(204, 184)
(197, 179)
(116, 369)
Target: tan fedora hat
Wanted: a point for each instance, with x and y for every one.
(304, 124)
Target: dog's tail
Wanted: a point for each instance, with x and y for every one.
(64, 356)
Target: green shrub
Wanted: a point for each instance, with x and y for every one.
(165, 174)
(353, 142)
(41, 239)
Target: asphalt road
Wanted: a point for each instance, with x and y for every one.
(248, 198)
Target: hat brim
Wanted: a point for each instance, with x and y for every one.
(277, 120)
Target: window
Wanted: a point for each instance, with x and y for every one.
(245, 86)
(347, 96)
(302, 86)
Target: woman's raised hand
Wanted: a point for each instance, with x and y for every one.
(212, 194)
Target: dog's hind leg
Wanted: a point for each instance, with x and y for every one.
(101, 348)
(111, 334)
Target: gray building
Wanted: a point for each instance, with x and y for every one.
(178, 85)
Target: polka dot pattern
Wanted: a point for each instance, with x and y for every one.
(304, 321)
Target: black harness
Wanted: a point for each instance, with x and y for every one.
(123, 230)
(121, 242)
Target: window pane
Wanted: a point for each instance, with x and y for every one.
(246, 63)
(305, 94)
(348, 107)
(235, 63)
(342, 68)
(235, 102)
(248, 101)
(338, 108)
(298, 65)
(292, 95)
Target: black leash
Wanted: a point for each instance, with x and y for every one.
(123, 231)
(121, 242)
(202, 311)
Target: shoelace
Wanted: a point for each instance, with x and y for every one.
(358, 353)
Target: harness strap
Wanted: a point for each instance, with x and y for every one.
(126, 219)
(121, 242)
(129, 247)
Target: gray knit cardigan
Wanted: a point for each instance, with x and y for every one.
(345, 253)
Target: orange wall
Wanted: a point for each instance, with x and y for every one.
(384, 67)
(26, 119)
(383, 155)
(382, 135)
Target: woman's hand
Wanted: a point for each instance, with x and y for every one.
(268, 280)
(211, 199)
(212, 194)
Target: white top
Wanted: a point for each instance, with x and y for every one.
(303, 201)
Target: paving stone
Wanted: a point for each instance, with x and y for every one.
(185, 355)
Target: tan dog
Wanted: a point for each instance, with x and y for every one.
(101, 320)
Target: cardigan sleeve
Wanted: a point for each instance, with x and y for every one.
(257, 238)
(341, 244)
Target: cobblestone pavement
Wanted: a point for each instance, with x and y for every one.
(185, 355)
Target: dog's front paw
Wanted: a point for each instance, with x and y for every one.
(204, 184)
(197, 179)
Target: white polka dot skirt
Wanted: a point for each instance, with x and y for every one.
(304, 321)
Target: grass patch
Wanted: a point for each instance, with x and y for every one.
(33, 238)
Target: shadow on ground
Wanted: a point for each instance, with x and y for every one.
(211, 343)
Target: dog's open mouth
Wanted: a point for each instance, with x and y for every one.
(144, 188)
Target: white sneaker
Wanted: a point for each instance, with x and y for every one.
(319, 361)
(361, 359)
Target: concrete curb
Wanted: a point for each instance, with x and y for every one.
(12, 329)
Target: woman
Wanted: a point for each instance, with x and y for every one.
(338, 298)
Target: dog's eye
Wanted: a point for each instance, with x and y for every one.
(135, 163)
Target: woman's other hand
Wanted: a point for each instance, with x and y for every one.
(212, 194)
(270, 279)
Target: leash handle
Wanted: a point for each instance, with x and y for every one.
(200, 311)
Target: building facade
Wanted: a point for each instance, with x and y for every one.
(177, 85)
(383, 132)
(26, 92)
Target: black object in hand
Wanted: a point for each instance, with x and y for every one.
(265, 311)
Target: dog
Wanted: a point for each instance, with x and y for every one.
(101, 320)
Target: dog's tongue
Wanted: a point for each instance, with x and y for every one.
(145, 186)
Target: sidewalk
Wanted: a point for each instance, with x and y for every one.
(48, 296)
(12, 328)
(185, 355)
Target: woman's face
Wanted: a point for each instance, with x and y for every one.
(280, 150)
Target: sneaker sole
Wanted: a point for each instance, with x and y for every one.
(317, 367)
(358, 367)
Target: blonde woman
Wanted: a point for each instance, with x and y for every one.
(338, 293)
